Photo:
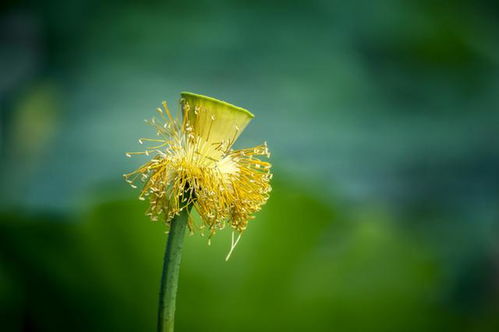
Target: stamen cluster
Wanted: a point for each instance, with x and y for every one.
(192, 164)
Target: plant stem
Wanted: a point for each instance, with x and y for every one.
(171, 267)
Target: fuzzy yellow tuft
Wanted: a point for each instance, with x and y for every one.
(192, 162)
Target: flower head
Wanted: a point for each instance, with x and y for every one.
(193, 163)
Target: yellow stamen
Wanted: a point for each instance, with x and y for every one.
(193, 163)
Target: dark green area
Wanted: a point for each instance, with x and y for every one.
(302, 265)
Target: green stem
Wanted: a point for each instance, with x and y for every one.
(171, 267)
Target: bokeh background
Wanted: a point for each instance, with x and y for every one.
(383, 121)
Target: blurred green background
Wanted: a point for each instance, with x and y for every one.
(383, 121)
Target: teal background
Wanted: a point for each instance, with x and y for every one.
(382, 118)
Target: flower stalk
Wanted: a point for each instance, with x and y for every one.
(171, 268)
